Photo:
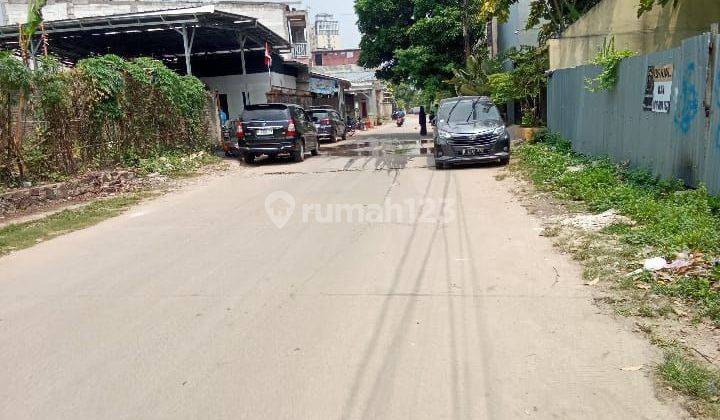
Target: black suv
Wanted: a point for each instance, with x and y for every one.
(468, 130)
(329, 123)
(276, 129)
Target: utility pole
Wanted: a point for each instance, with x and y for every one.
(466, 30)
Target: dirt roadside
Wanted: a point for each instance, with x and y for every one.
(667, 323)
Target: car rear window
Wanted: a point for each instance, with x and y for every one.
(265, 114)
(320, 114)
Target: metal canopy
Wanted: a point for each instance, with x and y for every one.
(163, 34)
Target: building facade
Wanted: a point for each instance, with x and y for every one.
(513, 33)
(335, 57)
(327, 32)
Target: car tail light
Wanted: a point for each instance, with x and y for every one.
(326, 121)
(240, 133)
(291, 130)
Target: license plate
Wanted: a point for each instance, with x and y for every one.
(472, 151)
(264, 131)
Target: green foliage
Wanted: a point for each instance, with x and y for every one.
(14, 75)
(525, 82)
(407, 96)
(689, 376)
(483, 75)
(175, 164)
(24, 235)
(669, 217)
(103, 112)
(702, 290)
(34, 20)
(502, 88)
(529, 67)
(419, 42)
(647, 5)
(609, 59)
(474, 78)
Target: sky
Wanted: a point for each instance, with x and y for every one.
(344, 12)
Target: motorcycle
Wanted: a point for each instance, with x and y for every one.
(400, 120)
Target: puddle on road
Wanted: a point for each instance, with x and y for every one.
(388, 154)
(410, 148)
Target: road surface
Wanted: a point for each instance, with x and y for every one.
(390, 291)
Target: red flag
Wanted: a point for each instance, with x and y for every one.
(268, 55)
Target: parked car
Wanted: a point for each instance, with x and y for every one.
(470, 130)
(329, 123)
(276, 129)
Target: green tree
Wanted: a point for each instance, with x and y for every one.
(406, 95)
(473, 79)
(419, 42)
(647, 5)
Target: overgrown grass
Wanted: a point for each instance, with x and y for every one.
(175, 164)
(693, 379)
(24, 235)
(669, 218)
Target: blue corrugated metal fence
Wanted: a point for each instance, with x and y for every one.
(682, 144)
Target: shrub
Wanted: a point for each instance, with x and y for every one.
(105, 111)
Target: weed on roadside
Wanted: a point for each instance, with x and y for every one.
(661, 219)
(24, 235)
(175, 164)
(667, 219)
(691, 378)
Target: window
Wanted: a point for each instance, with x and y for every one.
(468, 110)
(264, 114)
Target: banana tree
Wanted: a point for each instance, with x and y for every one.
(27, 32)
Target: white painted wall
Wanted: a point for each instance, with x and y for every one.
(272, 15)
(257, 85)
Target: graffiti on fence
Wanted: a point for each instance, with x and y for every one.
(688, 101)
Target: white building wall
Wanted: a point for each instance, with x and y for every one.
(272, 15)
(257, 85)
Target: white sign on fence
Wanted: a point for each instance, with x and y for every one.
(660, 78)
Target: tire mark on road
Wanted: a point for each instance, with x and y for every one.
(371, 348)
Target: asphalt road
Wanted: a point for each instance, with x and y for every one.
(391, 291)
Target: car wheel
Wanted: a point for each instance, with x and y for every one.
(440, 165)
(333, 136)
(315, 151)
(299, 155)
(249, 158)
(344, 136)
(504, 161)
